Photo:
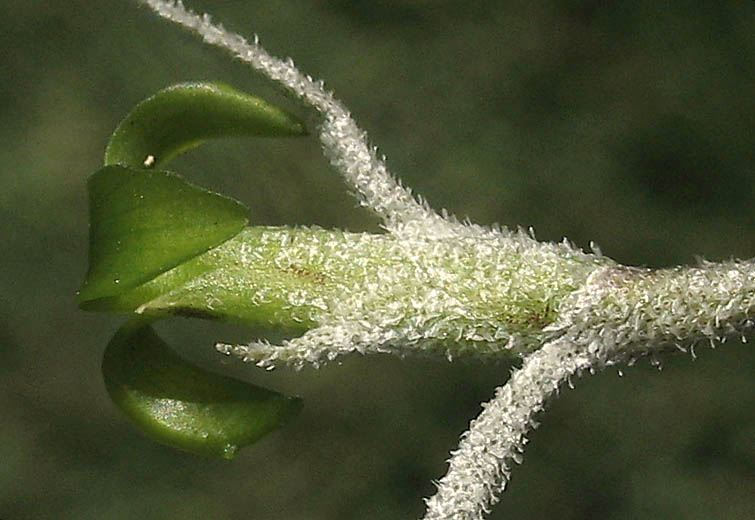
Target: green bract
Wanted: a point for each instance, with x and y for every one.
(183, 406)
(182, 117)
(145, 223)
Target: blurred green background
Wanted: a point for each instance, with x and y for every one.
(625, 123)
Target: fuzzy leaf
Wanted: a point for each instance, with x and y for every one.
(183, 116)
(178, 404)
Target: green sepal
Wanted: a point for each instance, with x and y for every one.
(240, 281)
(178, 404)
(145, 222)
(183, 116)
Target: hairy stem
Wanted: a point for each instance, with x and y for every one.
(619, 314)
(343, 142)
(583, 312)
(480, 468)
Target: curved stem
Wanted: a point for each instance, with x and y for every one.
(480, 468)
(344, 143)
(619, 314)
(615, 314)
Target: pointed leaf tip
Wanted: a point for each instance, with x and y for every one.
(183, 116)
(144, 222)
(178, 404)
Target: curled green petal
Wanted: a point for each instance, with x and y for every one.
(183, 116)
(145, 222)
(178, 404)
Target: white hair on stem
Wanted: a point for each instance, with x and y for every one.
(615, 315)
(620, 314)
(344, 143)
(481, 467)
